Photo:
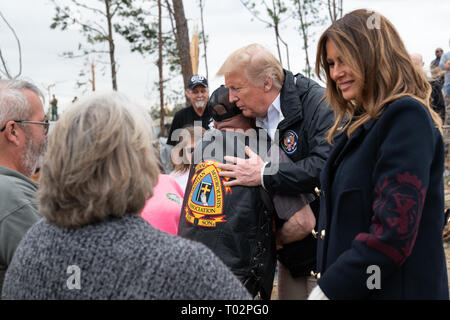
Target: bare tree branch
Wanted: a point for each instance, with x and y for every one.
(171, 15)
(75, 20)
(202, 5)
(95, 10)
(20, 51)
(245, 3)
(287, 52)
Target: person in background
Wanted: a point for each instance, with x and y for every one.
(181, 155)
(54, 108)
(23, 136)
(436, 99)
(197, 94)
(444, 64)
(436, 72)
(92, 243)
(383, 201)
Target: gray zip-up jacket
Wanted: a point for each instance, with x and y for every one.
(18, 212)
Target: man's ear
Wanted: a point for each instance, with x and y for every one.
(11, 133)
(268, 83)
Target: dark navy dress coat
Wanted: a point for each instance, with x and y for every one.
(382, 210)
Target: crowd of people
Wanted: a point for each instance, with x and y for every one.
(337, 191)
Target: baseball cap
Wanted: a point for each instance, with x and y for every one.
(197, 80)
(220, 106)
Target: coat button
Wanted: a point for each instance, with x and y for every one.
(317, 191)
(314, 233)
(322, 234)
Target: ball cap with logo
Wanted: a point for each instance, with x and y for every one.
(220, 106)
(197, 80)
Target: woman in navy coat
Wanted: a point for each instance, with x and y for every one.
(382, 204)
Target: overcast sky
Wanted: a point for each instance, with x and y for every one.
(423, 25)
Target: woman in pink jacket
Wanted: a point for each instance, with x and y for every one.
(163, 209)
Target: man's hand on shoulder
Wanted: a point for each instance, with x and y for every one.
(245, 172)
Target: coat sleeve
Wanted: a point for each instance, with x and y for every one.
(303, 176)
(406, 147)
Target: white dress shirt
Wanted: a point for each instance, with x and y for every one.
(270, 122)
(273, 117)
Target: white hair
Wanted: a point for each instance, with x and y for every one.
(14, 104)
(258, 64)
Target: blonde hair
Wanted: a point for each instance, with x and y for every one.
(190, 136)
(100, 162)
(379, 62)
(258, 65)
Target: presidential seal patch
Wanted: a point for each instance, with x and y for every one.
(290, 141)
(205, 202)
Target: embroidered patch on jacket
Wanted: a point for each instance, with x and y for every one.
(397, 211)
(290, 141)
(205, 201)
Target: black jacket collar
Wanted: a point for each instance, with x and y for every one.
(290, 102)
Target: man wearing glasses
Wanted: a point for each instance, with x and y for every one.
(23, 135)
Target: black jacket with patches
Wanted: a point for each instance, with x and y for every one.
(307, 119)
(235, 223)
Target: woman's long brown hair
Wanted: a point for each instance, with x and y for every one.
(371, 46)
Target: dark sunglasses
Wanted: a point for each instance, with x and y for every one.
(45, 124)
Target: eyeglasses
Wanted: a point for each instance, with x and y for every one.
(46, 124)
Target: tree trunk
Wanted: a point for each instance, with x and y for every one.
(183, 40)
(304, 29)
(111, 46)
(160, 68)
(275, 27)
(278, 42)
(93, 75)
(204, 37)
